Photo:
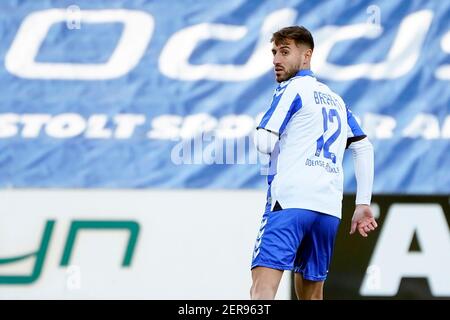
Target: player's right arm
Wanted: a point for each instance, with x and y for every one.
(265, 141)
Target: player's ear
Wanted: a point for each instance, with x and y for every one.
(308, 54)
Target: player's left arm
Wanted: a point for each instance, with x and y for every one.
(363, 158)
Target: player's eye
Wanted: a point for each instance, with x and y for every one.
(284, 52)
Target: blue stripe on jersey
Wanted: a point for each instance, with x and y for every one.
(271, 110)
(270, 178)
(353, 124)
(295, 106)
(275, 100)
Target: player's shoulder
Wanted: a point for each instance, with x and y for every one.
(290, 86)
(299, 83)
(303, 79)
(325, 88)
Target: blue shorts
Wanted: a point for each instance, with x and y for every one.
(296, 239)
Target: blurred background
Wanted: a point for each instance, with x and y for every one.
(127, 168)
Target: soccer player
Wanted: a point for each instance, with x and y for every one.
(306, 131)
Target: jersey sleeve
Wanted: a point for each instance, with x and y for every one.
(354, 131)
(285, 103)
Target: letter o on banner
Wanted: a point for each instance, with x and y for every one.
(66, 125)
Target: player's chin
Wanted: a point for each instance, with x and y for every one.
(280, 77)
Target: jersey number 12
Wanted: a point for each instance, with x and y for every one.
(325, 145)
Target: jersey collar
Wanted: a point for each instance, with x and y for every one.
(304, 72)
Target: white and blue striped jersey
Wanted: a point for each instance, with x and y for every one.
(315, 127)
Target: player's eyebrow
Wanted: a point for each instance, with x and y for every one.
(274, 50)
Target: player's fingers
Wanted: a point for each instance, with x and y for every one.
(374, 223)
(361, 231)
(371, 227)
(353, 227)
(367, 229)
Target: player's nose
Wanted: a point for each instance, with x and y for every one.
(276, 60)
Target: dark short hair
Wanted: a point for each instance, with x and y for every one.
(299, 34)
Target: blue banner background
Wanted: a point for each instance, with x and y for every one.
(404, 164)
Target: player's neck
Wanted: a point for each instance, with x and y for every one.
(306, 66)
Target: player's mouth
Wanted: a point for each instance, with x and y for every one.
(279, 71)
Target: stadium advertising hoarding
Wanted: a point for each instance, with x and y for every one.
(128, 244)
(55, 244)
(407, 258)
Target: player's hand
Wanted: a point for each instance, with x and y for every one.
(363, 220)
